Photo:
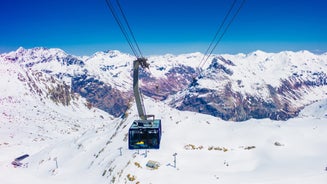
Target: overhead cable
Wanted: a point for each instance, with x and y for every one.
(127, 34)
(207, 56)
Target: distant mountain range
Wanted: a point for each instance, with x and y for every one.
(233, 87)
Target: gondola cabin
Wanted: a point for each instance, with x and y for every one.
(144, 134)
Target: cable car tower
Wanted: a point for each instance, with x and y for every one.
(144, 133)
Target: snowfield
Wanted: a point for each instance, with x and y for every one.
(83, 146)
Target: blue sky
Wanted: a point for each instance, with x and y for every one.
(82, 27)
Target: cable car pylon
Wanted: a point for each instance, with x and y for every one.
(144, 133)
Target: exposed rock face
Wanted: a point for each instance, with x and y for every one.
(233, 106)
(101, 95)
(176, 79)
(43, 85)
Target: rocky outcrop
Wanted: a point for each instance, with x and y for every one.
(175, 80)
(43, 85)
(101, 95)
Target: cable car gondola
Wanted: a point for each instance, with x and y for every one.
(144, 134)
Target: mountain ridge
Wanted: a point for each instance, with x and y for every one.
(232, 87)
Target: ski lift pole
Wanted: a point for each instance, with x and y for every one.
(120, 151)
(145, 153)
(56, 160)
(175, 154)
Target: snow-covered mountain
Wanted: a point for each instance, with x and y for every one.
(257, 85)
(232, 87)
(48, 110)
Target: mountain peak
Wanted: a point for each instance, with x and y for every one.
(257, 53)
(20, 50)
(108, 53)
(112, 52)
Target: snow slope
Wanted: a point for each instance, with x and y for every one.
(318, 110)
(208, 149)
(30, 122)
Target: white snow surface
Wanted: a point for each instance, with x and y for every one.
(318, 109)
(75, 144)
(91, 150)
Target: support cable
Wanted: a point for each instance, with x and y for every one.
(218, 31)
(121, 26)
(206, 55)
(129, 28)
(233, 18)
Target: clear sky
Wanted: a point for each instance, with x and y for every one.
(82, 27)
